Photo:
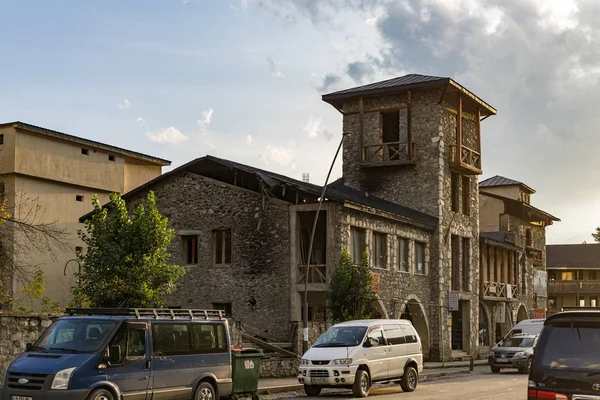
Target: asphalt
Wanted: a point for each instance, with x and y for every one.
(431, 371)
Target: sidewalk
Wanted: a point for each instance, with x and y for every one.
(431, 370)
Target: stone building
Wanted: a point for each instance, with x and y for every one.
(513, 257)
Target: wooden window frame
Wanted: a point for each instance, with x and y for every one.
(380, 238)
(416, 261)
(406, 254)
(223, 239)
(185, 240)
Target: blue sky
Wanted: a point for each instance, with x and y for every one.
(242, 80)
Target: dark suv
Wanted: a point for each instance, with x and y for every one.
(514, 352)
(566, 365)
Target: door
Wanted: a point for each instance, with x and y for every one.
(397, 349)
(173, 369)
(378, 354)
(129, 365)
(457, 328)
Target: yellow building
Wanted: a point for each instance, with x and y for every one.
(58, 174)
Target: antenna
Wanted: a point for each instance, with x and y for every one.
(305, 177)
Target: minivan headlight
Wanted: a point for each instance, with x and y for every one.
(304, 362)
(62, 378)
(342, 361)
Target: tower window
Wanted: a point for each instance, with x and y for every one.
(85, 152)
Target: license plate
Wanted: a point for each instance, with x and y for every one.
(21, 398)
(318, 380)
(502, 360)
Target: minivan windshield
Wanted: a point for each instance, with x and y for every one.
(342, 336)
(75, 336)
(518, 342)
(572, 347)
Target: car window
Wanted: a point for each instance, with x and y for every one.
(76, 335)
(409, 334)
(574, 346)
(209, 338)
(394, 334)
(169, 339)
(377, 333)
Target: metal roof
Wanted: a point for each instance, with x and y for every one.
(85, 142)
(216, 168)
(401, 83)
(582, 256)
(498, 180)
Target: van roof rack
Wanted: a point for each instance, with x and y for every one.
(150, 312)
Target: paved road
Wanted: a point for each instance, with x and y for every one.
(506, 385)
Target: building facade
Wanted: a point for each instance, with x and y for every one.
(50, 177)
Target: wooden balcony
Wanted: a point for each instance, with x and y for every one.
(499, 291)
(388, 154)
(316, 273)
(535, 255)
(466, 161)
(573, 287)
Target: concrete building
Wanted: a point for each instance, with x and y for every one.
(512, 256)
(58, 174)
(573, 276)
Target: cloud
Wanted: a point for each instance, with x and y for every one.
(313, 128)
(278, 155)
(249, 139)
(124, 105)
(359, 70)
(169, 135)
(141, 121)
(244, 4)
(330, 80)
(274, 71)
(206, 119)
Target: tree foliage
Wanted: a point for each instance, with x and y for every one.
(349, 292)
(596, 235)
(126, 262)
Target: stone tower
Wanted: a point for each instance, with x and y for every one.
(417, 142)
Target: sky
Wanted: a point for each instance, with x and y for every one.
(243, 79)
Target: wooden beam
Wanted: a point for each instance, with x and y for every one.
(442, 95)
(459, 130)
(361, 108)
(409, 125)
(268, 346)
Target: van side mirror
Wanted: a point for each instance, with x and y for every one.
(114, 354)
(28, 346)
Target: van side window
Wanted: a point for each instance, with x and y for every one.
(394, 334)
(377, 333)
(136, 347)
(171, 339)
(119, 343)
(209, 338)
(409, 334)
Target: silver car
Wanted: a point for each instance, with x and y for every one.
(514, 352)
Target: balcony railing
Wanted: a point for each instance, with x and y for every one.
(573, 287)
(499, 290)
(465, 160)
(316, 273)
(389, 153)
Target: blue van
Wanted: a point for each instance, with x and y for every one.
(132, 354)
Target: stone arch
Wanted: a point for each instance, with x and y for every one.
(522, 313)
(414, 312)
(379, 307)
(484, 327)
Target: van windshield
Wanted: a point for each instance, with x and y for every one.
(342, 336)
(572, 347)
(518, 342)
(75, 336)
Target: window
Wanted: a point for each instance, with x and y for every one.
(403, 255)
(357, 244)
(209, 338)
(380, 250)
(466, 263)
(1, 139)
(455, 262)
(582, 302)
(566, 276)
(394, 334)
(570, 345)
(419, 258)
(223, 306)
(409, 334)
(111, 157)
(454, 192)
(528, 238)
(190, 249)
(222, 247)
(79, 197)
(592, 275)
(593, 301)
(85, 152)
(136, 346)
(390, 126)
(466, 195)
(170, 339)
(377, 333)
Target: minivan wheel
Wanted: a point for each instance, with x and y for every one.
(362, 384)
(205, 391)
(101, 394)
(409, 379)
(312, 391)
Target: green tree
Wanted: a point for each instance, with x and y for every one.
(126, 262)
(349, 292)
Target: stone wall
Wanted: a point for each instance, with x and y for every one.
(278, 367)
(257, 282)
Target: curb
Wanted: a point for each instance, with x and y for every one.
(280, 389)
(476, 363)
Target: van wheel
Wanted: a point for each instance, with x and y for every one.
(362, 384)
(205, 391)
(495, 370)
(409, 379)
(312, 391)
(101, 394)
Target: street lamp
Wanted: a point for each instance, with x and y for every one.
(312, 237)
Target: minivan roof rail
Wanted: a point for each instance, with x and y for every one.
(150, 312)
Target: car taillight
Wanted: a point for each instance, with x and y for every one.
(533, 394)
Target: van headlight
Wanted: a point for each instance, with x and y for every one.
(62, 378)
(342, 361)
(304, 361)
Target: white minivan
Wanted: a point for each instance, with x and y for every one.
(355, 354)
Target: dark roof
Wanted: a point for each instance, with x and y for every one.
(498, 180)
(85, 142)
(499, 236)
(216, 168)
(401, 83)
(498, 239)
(521, 209)
(573, 256)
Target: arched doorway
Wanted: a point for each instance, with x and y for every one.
(415, 314)
(484, 327)
(521, 314)
(502, 328)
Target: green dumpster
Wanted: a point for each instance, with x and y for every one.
(245, 366)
